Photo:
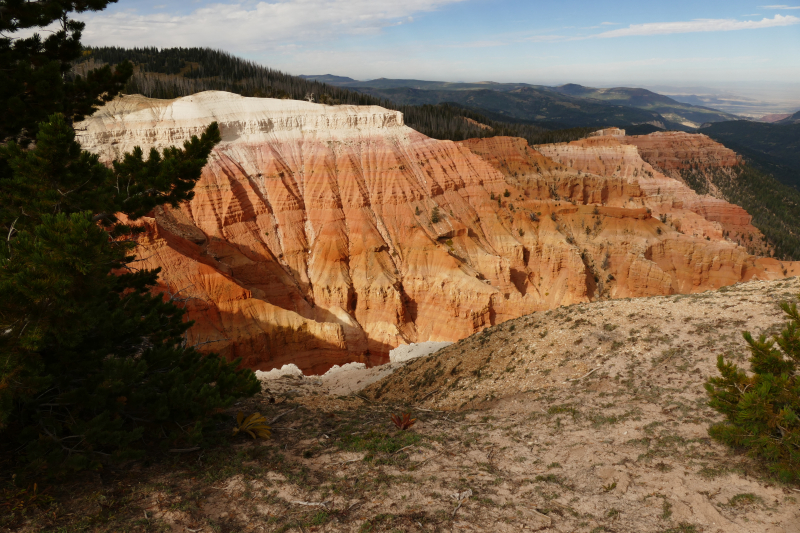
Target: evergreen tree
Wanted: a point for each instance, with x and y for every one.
(35, 70)
(93, 363)
(762, 410)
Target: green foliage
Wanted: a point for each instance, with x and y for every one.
(93, 362)
(761, 409)
(36, 71)
(772, 148)
(775, 207)
(756, 186)
(435, 215)
(377, 441)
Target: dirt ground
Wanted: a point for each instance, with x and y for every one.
(589, 418)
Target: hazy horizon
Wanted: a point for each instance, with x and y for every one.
(682, 43)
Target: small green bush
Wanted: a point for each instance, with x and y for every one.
(761, 409)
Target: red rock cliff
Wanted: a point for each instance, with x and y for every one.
(321, 235)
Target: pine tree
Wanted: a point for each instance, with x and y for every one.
(762, 409)
(35, 71)
(93, 363)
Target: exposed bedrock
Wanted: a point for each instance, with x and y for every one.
(322, 235)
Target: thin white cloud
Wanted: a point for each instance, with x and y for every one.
(609, 23)
(248, 26)
(700, 25)
(546, 38)
(781, 6)
(478, 44)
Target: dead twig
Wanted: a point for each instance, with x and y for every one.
(586, 375)
(363, 398)
(283, 414)
(404, 448)
(426, 460)
(353, 506)
(489, 455)
(430, 394)
(461, 496)
(345, 462)
(313, 504)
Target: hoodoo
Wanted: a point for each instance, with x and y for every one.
(321, 235)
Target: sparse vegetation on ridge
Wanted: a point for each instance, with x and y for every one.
(775, 207)
(762, 409)
(623, 449)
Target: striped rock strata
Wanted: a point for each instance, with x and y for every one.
(322, 235)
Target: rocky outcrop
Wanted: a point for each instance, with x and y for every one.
(697, 161)
(678, 150)
(321, 235)
(667, 196)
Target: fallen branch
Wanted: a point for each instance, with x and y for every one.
(430, 394)
(345, 462)
(586, 375)
(457, 508)
(461, 496)
(282, 414)
(426, 460)
(489, 456)
(404, 448)
(363, 398)
(313, 504)
(352, 506)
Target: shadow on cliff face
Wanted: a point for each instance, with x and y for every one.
(264, 346)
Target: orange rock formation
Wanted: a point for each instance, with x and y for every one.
(321, 235)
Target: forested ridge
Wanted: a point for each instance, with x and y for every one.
(775, 207)
(175, 72)
(772, 148)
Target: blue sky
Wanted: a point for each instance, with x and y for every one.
(621, 42)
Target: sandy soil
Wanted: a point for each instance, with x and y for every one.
(348, 379)
(590, 418)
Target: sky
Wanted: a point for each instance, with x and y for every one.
(603, 43)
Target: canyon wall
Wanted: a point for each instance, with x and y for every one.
(696, 159)
(320, 235)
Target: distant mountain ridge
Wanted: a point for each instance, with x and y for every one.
(533, 102)
(793, 119)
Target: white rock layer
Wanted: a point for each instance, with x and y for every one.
(135, 120)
